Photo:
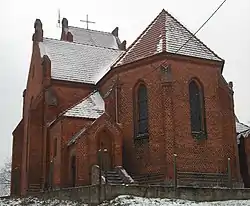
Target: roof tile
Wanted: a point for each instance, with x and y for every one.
(91, 107)
(165, 33)
(78, 62)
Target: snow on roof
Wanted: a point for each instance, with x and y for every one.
(165, 33)
(76, 136)
(77, 62)
(91, 107)
(240, 127)
(95, 38)
(242, 130)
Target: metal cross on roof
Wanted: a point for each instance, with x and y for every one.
(87, 21)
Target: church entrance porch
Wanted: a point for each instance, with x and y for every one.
(105, 153)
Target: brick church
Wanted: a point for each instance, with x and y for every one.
(91, 101)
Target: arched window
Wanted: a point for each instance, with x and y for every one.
(141, 111)
(197, 111)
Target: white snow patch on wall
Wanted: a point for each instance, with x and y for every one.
(159, 46)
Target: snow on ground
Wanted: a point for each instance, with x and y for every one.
(123, 200)
(139, 201)
(37, 202)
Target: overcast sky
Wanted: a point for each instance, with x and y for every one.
(227, 33)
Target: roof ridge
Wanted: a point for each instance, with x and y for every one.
(185, 27)
(92, 30)
(134, 42)
(244, 124)
(78, 43)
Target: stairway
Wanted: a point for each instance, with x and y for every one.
(150, 179)
(202, 179)
(34, 188)
(113, 177)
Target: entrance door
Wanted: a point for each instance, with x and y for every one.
(73, 170)
(105, 144)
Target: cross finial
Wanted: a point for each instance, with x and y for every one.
(87, 21)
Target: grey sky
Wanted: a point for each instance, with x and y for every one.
(227, 33)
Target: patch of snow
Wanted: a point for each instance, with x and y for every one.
(242, 130)
(136, 201)
(159, 46)
(37, 202)
(127, 175)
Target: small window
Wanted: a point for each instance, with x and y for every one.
(32, 71)
(55, 147)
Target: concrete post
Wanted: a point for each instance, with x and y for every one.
(175, 172)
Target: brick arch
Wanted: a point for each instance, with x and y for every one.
(137, 111)
(111, 136)
(195, 84)
(198, 82)
(104, 141)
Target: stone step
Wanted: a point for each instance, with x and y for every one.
(150, 179)
(111, 172)
(115, 182)
(202, 175)
(202, 183)
(34, 186)
(113, 177)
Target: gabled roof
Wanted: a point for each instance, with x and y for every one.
(94, 38)
(241, 128)
(91, 107)
(78, 62)
(166, 34)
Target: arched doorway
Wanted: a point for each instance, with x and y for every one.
(105, 153)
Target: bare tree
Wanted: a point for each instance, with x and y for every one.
(5, 178)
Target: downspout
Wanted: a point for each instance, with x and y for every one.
(116, 101)
(44, 143)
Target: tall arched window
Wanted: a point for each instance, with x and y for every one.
(197, 111)
(141, 111)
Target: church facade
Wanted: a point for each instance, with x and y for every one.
(87, 94)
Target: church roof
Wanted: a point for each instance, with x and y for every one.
(91, 107)
(166, 34)
(242, 130)
(94, 38)
(78, 62)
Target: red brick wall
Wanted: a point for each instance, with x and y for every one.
(67, 94)
(32, 91)
(230, 147)
(247, 150)
(35, 146)
(87, 147)
(63, 130)
(70, 126)
(169, 120)
(17, 159)
(56, 134)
